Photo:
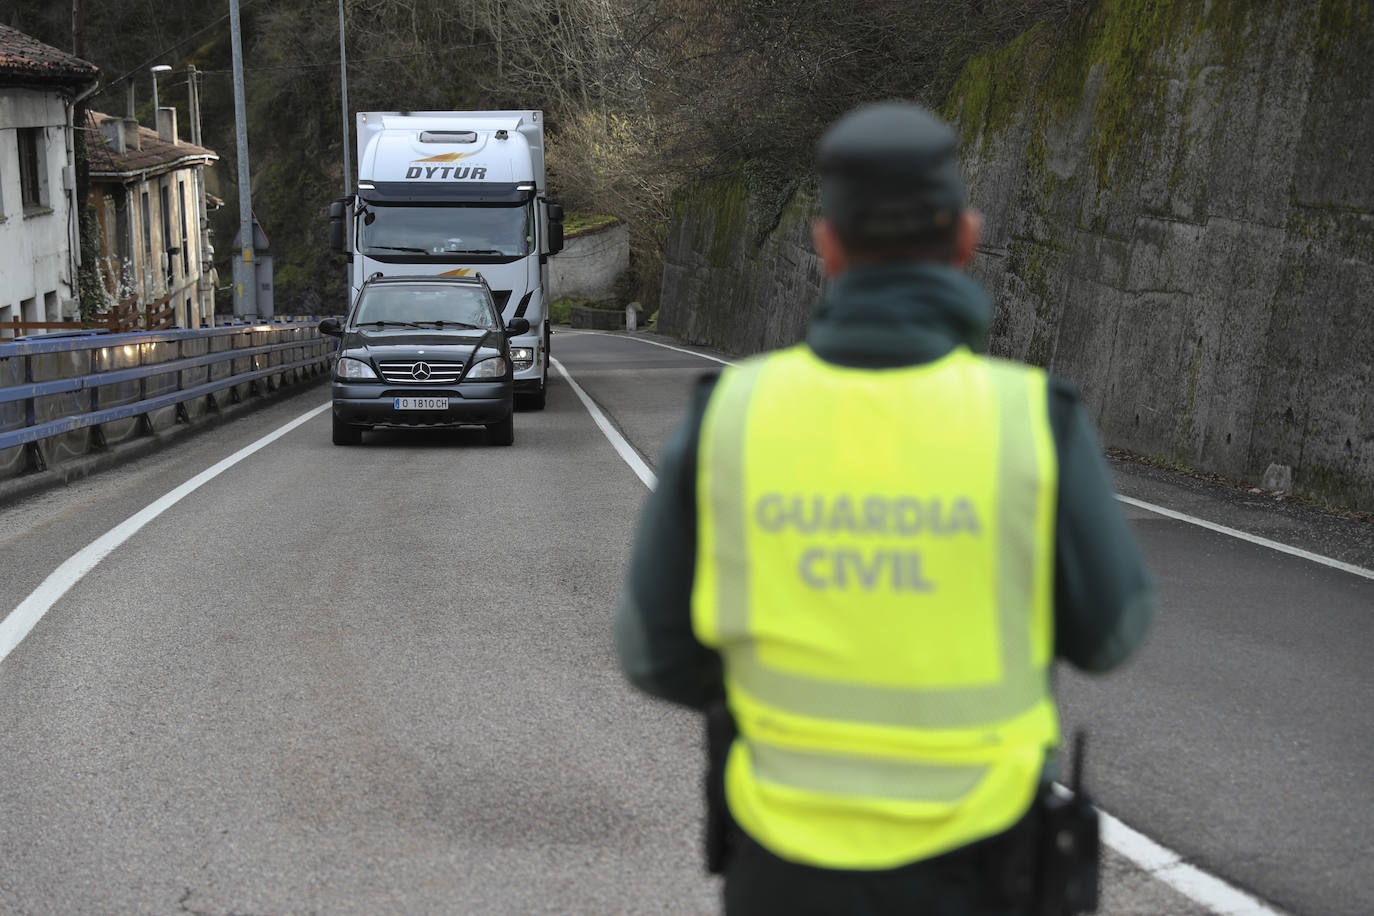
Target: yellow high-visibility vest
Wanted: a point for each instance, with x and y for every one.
(875, 566)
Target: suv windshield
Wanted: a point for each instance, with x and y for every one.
(426, 304)
(504, 230)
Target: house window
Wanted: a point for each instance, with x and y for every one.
(33, 169)
(185, 237)
(145, 272)
(168, 248)
(107, 225)
(123, 245)
(147, 230)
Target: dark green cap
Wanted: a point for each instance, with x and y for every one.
(889, 172)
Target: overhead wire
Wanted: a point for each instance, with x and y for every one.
(169, 49)
(134, 71)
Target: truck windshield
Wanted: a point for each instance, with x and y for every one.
(425, 304)
(444, 231)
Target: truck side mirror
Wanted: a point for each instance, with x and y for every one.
(338, 220)
(555, 212)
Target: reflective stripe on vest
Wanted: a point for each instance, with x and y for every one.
(906, 744)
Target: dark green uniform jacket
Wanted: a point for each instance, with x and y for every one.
(881, 317)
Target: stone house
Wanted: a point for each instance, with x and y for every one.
(147, 191)
(40, 250)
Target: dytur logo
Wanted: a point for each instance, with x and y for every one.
(446, 172)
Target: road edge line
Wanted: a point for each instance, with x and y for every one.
(25, 616)
(1246, 536)
(1169, 867)
(618, 442)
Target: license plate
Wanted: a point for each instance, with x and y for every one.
(421, 403)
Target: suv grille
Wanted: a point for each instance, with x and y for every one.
(421, 372)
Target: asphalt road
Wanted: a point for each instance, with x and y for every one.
(380, 680)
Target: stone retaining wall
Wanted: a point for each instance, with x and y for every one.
(590, 262)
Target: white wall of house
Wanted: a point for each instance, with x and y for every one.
(38, 239)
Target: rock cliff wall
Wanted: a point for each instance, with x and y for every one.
(1179, 197)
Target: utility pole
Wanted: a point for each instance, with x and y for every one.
(79, 28)
(343, 92)
(205, 292)
(245, 279)
(193, 101)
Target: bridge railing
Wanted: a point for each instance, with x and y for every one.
(64, 395)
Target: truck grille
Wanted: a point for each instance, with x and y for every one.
(420, 372)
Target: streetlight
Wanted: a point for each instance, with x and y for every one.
(160, 68)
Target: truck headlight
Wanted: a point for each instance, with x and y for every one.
(523, 357)
(489, 368)
(348, 368)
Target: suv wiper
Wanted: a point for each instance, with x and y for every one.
(383, 324)
(441, 323)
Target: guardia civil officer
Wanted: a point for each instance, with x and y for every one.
(872, 546)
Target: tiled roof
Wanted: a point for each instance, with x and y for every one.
(26, 60)
(154, 152)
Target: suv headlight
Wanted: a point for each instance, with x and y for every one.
(489, 368)
(349, 368)
(523, 357)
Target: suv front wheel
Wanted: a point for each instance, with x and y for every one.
(502, 432)
(345, 434)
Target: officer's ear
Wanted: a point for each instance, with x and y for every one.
(829, 247)
(967, 234)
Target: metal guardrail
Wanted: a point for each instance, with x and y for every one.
(52, 386)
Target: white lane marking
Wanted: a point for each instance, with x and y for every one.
(22, 619)
(1159, 861)
(1252, 538)
(1189, 880)
(717, 359)
(1138, 503)
(613, 436)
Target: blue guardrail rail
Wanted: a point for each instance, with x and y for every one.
(69, 394)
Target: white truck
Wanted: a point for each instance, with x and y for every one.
(458, 193)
